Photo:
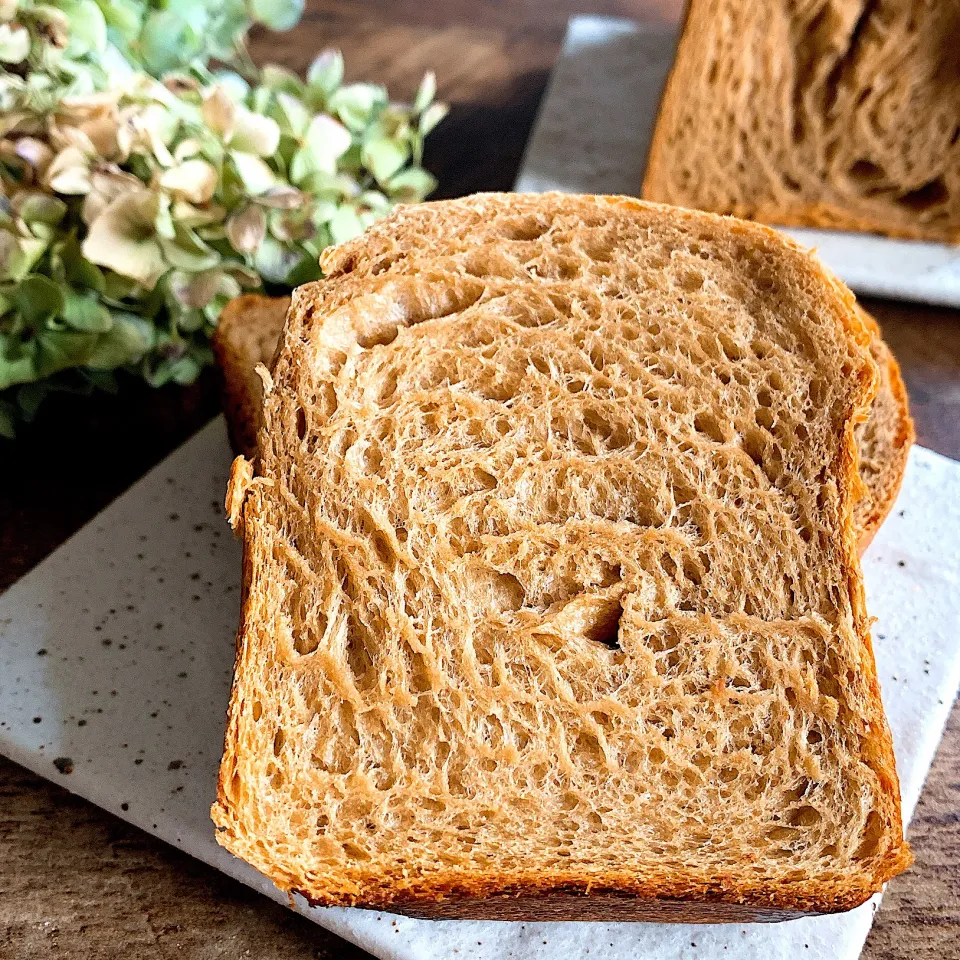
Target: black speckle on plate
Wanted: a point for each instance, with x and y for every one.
(63, 764)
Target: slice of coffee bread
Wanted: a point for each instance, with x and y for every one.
(842, 114)
(552, 605)
(250, 327)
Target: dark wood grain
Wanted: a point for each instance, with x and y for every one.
(77, 883)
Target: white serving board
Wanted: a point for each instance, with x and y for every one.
(593, 135)
(116, 653)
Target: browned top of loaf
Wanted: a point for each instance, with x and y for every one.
(551, 580)
(833, 113)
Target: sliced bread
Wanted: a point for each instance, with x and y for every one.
(250, 327)
(831, 113)
(552, 605)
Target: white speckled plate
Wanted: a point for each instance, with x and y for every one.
(115, 662)
(594, 131)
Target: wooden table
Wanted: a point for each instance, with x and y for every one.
(77, 883)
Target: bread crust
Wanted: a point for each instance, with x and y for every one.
(555, 894)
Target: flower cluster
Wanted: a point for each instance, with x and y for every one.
(134, 206)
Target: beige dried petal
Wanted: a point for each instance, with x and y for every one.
(69, 172)
(195, 290)
(187, 215)
(62, 137)
(246, 229)
(219, 112)
(105, 187)
(186, 149)
(122, 238)
(102, 131)
(194, 180)
(282, 197)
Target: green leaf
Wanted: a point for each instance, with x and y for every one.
(29, 398)
(83, 311)
(383, 157)
(61, 349)
(37, 300)
(326, 72)
(7, 420)
(124, 343)
(277, 14)
(41, 208)
(18, 361)
(426, 92)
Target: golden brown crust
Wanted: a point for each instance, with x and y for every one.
(303, 648)
(247, 333)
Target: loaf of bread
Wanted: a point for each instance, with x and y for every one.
(552, 605)
(842, 114)
(250, 327)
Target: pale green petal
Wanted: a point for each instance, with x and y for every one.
(88, 30)
(326, 141)
(383, 157)
(345, 225)
(254, 174)
(276, 14)
(412, 184)
(254, 133)
(294, 115)
(426, 92)
(432, 116)
(126, 342)
(356, 103)
(188, 252)
(326, 72)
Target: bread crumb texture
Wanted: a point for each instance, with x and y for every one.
(551, 581)
(842, 114)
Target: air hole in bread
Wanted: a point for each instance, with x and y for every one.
(603, 624)
(710, 426)
(935, 193)
(866, 174)
(257, 710)
(301, 424)
(279, 739)
(872, 834)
